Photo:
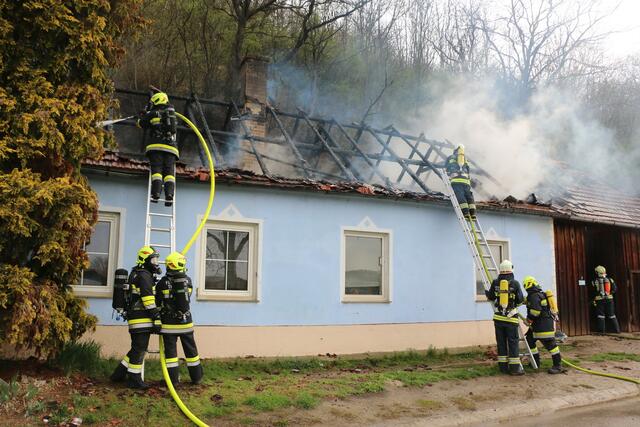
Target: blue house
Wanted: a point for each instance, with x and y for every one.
(318, 242)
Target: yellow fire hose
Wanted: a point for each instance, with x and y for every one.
(163, 363)
(602, 374)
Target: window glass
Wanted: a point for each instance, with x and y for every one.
(363, 273)
(227, 266)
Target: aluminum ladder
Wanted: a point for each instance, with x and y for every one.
(160, 230)
(481, 252)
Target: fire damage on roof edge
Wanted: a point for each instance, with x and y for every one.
(114, 162)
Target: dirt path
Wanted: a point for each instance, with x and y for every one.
(434, 404)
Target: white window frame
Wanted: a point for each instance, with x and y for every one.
(491, 241)
(254, 228)
(387, 240)
(115, 216)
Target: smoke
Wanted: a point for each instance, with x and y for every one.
(536, 149)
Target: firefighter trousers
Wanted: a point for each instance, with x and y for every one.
(507, 340)
(163, 165)
(134, 358)
(465, 198)
(191, 356)
(548, 343)
(604, 311)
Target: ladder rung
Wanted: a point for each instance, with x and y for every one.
(160, 214)
(165, 230)
(157, 245)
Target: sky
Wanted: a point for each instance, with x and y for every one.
(625, 22)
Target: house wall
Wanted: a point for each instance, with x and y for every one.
(300, 310)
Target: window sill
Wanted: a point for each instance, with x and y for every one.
(88, 292)
(481, 298)
(365, 299)
(201, 296)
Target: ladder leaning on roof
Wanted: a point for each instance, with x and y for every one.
(481, 252)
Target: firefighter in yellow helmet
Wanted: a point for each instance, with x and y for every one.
(143, 317)
(162, 149)
(605, 287)
(457, 168)
(542, 312)
(506, 295)
(173, 295)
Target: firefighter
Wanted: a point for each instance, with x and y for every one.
(506, 294)
(542, 313)
(173, 294)
(143, 317)
(605, 287)
(162, 149)
(458, 170)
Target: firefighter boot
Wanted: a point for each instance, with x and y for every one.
(135, 381)
(516, 369)
(120, 373)
(196, 374)
(503, 367)
(169, 189)
(614, 324)
(174, 375)
(536, 357)
(557, 365)
(600, 324)
(156, 188)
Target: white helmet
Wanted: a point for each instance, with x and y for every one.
(506, 266)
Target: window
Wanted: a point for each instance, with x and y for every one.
(365, 272)
(500, 251)
(102, 250)
(229, 264)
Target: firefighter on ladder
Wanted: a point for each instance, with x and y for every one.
(506, 295)
(143, 317)
(458, 170)
(605, 287)
(162, 150)
(173, 294)
(542, 313)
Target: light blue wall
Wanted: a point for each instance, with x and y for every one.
(432, 271)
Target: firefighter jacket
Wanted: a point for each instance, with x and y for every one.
(605, 288)
(142, 312)
(173, 295)
(161, 120)
(515, 299)
(539, 313)
(457, 174)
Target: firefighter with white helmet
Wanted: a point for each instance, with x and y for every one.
(173, 295)
(506, 295)
(542, 312)
(605, 287)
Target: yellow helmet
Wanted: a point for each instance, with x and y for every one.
(145, 253)
(159, 98)
(529, 282)
(176, 261)
(601, 270)
(506, 266)
(460, 148)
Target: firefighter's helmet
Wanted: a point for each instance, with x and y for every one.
(529, 282)
(176, 261)
(506, 266)
(147, 253)
(460, 148)
(601, 270)
(159, 98)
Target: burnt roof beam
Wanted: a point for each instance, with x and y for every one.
(249, 137)
(304, 164)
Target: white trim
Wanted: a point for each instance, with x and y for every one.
(371, 230)
(495, 238)
(115, 216)
(235, 222)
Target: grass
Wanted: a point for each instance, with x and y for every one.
(239, 390)
(614, 357)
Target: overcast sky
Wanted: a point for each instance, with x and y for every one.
(626, 22)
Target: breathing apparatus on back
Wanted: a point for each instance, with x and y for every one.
(178, 283)
(121, 293)
(460, 155)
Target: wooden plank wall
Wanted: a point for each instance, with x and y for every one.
(573, 300)
(631, 260)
